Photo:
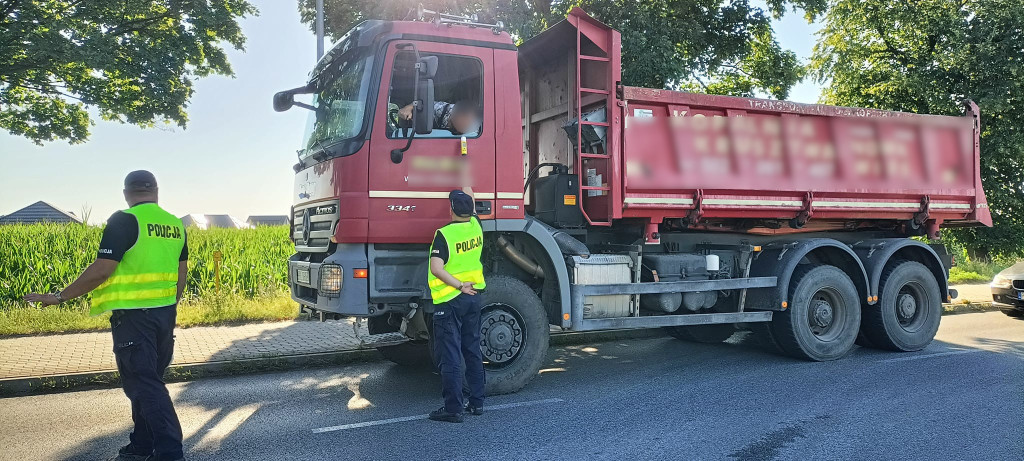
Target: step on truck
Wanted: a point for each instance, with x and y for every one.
(606, 206)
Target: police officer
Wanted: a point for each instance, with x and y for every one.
(139, 274)
(455, 279)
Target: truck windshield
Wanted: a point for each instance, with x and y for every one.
(340, 104)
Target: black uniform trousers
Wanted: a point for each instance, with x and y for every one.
(457, 342)
(143, 346)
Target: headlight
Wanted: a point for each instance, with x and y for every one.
(1001, 281)
(330, 280)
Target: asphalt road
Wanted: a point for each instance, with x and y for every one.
(961, 398)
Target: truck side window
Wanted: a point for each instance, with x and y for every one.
(458, 96)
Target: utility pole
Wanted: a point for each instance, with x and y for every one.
(319, 29)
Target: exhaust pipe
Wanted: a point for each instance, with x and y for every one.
(518, 258)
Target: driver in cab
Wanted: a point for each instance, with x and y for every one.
(461, 118)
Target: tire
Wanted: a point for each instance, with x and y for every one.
(823, 316)
(906, 316)
(410, 354)
(708, 334)
(514, 334)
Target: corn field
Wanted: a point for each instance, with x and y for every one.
(45, 257)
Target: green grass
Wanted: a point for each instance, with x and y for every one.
(45, 257)
(958, 276)
(212, 310)
(974, 271)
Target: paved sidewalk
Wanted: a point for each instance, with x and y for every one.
(54, 355)
(974, 292)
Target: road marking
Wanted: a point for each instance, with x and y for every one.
(403, 419)
(928, 356)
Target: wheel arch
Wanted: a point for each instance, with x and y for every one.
(878, 254)
(545, 245)
(781, 260)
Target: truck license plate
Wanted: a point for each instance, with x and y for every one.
(302, 276)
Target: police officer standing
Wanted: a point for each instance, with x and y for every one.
(455, 279)
(139, 274)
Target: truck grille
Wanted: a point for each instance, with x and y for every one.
(321, 219)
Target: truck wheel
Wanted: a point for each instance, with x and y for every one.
(513, 334)
(823, 316)
(708, 334)
(409, 354)
(908, 311)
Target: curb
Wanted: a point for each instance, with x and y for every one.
(191, 371)
(70, 382)
(968, 308)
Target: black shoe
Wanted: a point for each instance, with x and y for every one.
(130, 453)
(475, 411)
(441, 415)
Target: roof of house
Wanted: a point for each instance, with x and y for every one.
(267, 220)
(40, 212)
(210, 221)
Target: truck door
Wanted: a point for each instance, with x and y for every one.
(409, 200)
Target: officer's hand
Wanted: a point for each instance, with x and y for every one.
(44, 299)
(467, 288)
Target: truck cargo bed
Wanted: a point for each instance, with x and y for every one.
(737, 163)
(731, 157)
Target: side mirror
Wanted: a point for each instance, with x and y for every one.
(427, 66)
(283, 100)
(421, 70)
(397, 155)
(423, 116)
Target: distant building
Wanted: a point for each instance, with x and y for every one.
(40, 212)
(212, 221)
(268, 220)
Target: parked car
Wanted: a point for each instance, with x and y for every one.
(1008, 290)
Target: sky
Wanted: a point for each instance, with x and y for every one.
(236, 154)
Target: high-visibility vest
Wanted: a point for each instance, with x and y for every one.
(465, 244)
(147, 275)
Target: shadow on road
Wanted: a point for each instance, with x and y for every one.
(216, 411)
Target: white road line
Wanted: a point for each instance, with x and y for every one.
(928, 356)
(403, 419)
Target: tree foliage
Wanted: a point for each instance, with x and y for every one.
(133, 61)
(719, 46)
(926, 56)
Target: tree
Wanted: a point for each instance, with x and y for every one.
(927, 56)
(133, 61)
(718, 46)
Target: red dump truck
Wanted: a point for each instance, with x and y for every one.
(606, 206)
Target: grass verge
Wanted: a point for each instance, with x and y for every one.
(21, 319)
(977, 271)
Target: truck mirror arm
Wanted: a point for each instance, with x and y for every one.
(398, 154)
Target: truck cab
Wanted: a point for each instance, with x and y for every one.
(358, 194)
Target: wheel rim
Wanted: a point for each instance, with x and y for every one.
(826, 314)
(910, 306)
(502, 335)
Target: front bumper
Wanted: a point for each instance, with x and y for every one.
(1008, 298)
(351, 300)
(396, 280)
